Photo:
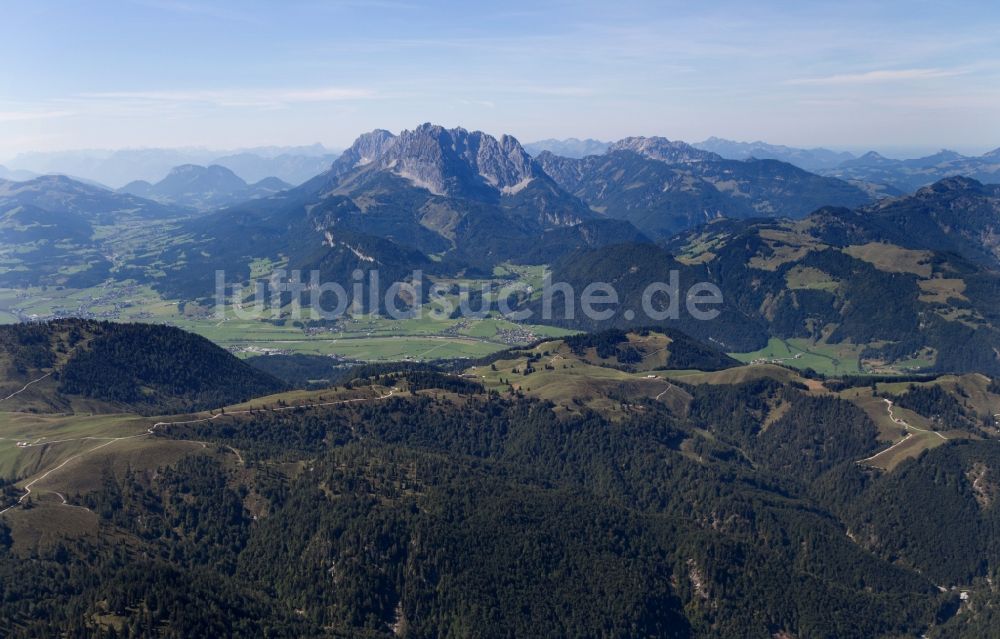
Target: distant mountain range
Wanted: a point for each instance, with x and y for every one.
(117, 168)
(203, 188)
(879, 176)
(93, 204)
(48, 224)
(16, 175)
(809, 159)
(570, 147)
(663, 186)
(293, 166)
(910, 175)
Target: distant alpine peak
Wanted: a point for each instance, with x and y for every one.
(181, 169)
(197, 171)
(658, 148)
(944, 155)
(956, 183)
(368, 147)
(444, 161)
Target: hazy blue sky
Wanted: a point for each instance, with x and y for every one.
(867, 74)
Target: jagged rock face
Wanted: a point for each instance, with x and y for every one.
(452, 162)
(503, 163)
(657, 148)
(365, 150)
(568, 173)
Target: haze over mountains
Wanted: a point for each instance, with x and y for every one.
(909, 175)
(451, 201)
(48, 230)
(16, 175)
(880, 175)
(809, 159)
(203, 188)
(117, 168)
(570, 147)
(894, 176)
(663, 186)
(93, 204)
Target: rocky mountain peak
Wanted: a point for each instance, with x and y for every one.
(453, 162)
(367, 148)
(664, 150)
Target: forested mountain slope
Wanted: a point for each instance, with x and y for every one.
(418, 503)
(108, 366)
(911, 278)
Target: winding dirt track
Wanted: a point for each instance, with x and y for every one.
(34, 381)
(664, 392)
(906, 438)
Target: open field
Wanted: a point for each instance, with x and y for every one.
(827, 359)
(48, 523)
(907, 433)
(84, 473)
(736, 375)
(804, 277)
(907, 448)
(887, 257)
(57, 457)
(573, 384)
(55, 438)
(942, 290)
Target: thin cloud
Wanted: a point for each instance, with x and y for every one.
(20, 116)
(364, 4)
(199, 9)
(489, 104)
(572, 92)
(878, 77)
(238, 97)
